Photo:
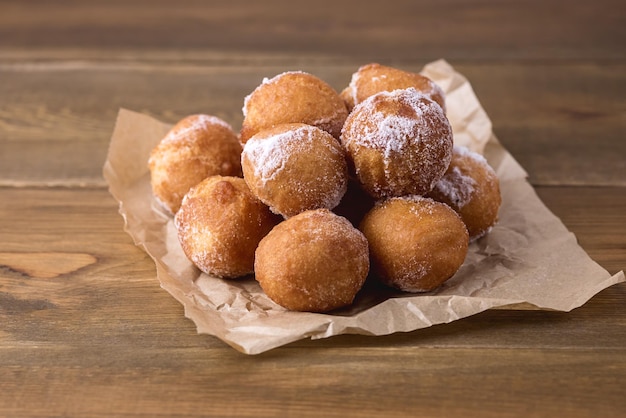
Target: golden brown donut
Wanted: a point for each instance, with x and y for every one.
(220, 224)
(398, 143)
(196, 147)
(295, 167)
(290, 97)
(470, 186)
(416, 244)
(315, 261)
(374, 78)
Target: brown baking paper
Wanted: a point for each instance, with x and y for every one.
(528, 261)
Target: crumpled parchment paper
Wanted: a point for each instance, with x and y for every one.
(528, 261)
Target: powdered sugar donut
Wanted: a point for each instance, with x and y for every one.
(399, 143)
(470, 186)
(416, 243)
(315, 261)
(374, 78)
(220, 223)
(293, 97)
(196, 147)
(295, 167)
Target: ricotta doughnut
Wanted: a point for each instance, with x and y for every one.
(470, 187)
(295, 167)
(219, 225)
(374, 78)
(290, 97)
(315, 261)
(398, 143)
(416, 243)
(196, 147)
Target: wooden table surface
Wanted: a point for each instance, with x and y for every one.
(85, 329)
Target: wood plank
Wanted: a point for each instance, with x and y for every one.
(561, 122)
(564, 123)
(121, 281)
(85, 329)
(592, 214)
(102, 338)
(397, 29)
(334, 383)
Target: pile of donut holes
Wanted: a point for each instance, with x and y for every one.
(320, 188)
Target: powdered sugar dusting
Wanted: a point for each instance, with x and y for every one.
(457, 186)
(372, 78)
(410, 139)
(426, 237)
(393, 130)
(269, 155)
(271, 167)
(193, 124)
(195, 237)
(424, 206)
(336, 256)
(353, 89)
(466, 152)
(265, 81)
(392, 133)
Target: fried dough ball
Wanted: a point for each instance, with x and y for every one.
(293, 97)
(295, 167)
(398, 143)
(220, 223)
(416, 243)
(374, 78)
(196, 147)
(315, 261)
(470, 186)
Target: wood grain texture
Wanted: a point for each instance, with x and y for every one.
(519, 383)
(85, 329)
(45, 265)
(396, 29)
(105, 340)
(56, 120)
